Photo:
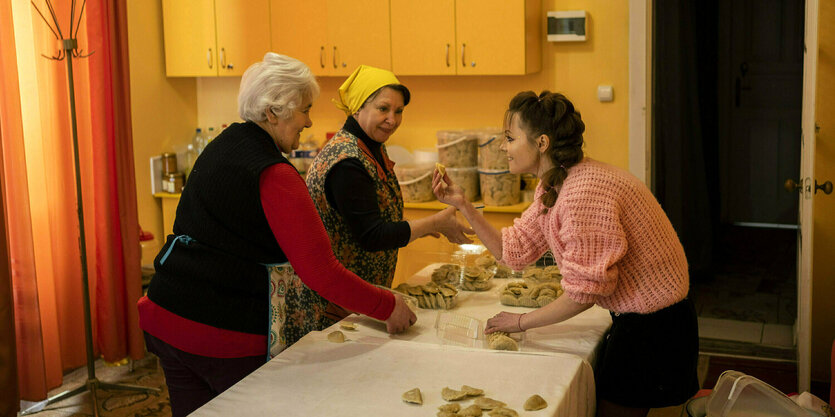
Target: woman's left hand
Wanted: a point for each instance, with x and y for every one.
(504, 322)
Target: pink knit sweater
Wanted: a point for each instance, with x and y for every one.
(612, 241)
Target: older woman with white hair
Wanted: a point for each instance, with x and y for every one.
(247, 231)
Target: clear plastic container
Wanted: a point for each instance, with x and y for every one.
(459, 330)
(737, 394)
(415, 182)
(467, 178)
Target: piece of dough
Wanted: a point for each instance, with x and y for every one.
(441, 168)
(348, 325)
(486, 403)
(471, 411)
(450, 394)
(503, 412)
(535, 402)
(472, 392)
(336, 336)
(413, 396)
(452, 407)
(501, 341)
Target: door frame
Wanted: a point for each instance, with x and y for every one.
(641, 148)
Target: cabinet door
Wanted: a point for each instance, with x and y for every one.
(360, 33)
(300, 30)
(189, 33)
(490, 36)
(243, 34)
(423, 37)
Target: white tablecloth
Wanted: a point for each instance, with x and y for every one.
(581, 335)
(367, 375)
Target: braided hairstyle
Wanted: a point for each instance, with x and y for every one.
(551, 114)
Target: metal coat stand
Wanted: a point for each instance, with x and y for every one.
(67, 50)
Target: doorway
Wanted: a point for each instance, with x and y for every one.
(726, 118)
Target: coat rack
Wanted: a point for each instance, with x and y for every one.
(67, 50)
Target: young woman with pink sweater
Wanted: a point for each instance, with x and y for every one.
(615, 248)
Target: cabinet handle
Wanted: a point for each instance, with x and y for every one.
(322, 56)
(222, 58)
(447, 54)
(209, 58)
(463, 61)
(334, 56)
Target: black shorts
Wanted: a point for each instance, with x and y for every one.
(649, 360)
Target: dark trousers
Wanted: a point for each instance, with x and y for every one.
(193, 380)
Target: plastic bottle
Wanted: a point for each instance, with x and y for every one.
(198, 141)
(210, 136)
(191, 156)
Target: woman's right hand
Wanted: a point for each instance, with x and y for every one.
(446, 191)
(401, 318)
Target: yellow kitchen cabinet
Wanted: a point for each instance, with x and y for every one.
(423, 37)
(466, 37)
(205, 38)
(332, 37)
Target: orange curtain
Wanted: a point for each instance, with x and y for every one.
(41, 196)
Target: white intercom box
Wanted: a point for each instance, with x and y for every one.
(567, 26)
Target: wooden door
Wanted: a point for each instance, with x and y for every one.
(359, 32)
(490, 36)
(300, 30)
(189, 33)
(763, 95)
(243, 34)
(423, 37)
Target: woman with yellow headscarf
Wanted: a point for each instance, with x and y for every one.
(357, 194)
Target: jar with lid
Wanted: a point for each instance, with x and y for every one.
(173, 183)
(169, 163)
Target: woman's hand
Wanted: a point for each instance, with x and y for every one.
(446, 191)
(504, 322)
(401, 318)
(450, 227)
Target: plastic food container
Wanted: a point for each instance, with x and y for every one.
(499, 187)
(737, 394)
(458, 329)
(490, 156)
(415, 182)
(457, 148)
(467, 178)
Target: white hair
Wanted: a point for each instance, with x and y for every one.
(278, 83)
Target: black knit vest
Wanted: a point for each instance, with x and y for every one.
(219, 278)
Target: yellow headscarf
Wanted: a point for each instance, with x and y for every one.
(362, 83)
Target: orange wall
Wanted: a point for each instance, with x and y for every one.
(164, 110)
(451, 102)
(823, 269)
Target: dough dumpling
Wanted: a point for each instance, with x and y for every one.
(471, 411)
(452, 408)
(501, 341)
(413, 396)
(348, 325)
(446, 414)
(486, 403)
(450, 394)
(441, 168)
(503, 412)
(535, 403)
(336, 337)
(470, 391)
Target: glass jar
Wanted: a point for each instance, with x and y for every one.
(173, 183)
(169, 163)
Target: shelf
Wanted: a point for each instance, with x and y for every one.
(437, 205)
(167, 195)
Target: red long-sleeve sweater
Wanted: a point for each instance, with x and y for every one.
(303, 239)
